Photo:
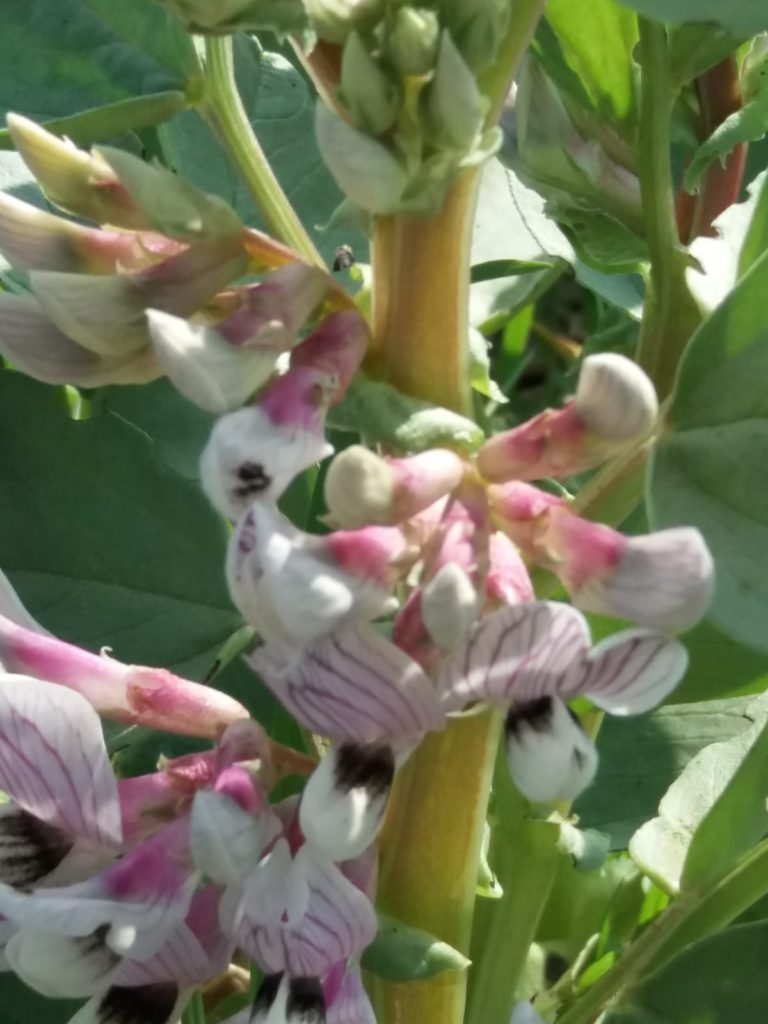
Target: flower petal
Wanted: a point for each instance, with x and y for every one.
(550, 756)
(518, 653)
(353, 684)
(30, 848)
(284, 1000)
(632, 671)
(225, 841)
(351, 1004)
(63, 966)
(53, 761)
(343, 804)
(159, 1003)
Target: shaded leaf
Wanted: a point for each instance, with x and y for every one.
(742, 18)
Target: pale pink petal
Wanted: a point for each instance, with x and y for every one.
(518, 653)
(225, 840)
(351, 1004)
(353, 684)
(631, 672)
(53, 761)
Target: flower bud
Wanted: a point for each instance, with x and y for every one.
(334, 20)
(455, 106)
(550, 756)
(361, 488)
(412, 41)
(507, 578)
(615, 398)
(449, 606)
(78, 182)
(343, 804)
(366, 92)
(335, 349)
(365, 170)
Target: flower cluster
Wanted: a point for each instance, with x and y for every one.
(132, 892)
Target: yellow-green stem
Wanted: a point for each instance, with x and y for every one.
(223, 109)
(429, 859)
(421, 299)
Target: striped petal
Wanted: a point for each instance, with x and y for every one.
(53, 761)
(351, 1004)
(353, 684)
(632, 671)
(284, 1000)
(158, 1003)
(30, 848)
(518, 653)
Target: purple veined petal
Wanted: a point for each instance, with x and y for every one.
(53, 761)
(63, 966)
(141, 898)
(351, 1004)
(343, 803)
(158, 1003)
(36, 346)
(632, 671)
(338, 922)
(225, 840)
(285, 1000)
(203, 366)
(106, 314)
(276, 889)
(550, 756)
(30, 848)
(518, 653)
(354, 684)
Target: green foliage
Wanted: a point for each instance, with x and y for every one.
(402, 953)
(741, 18)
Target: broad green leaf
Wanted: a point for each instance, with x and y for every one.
(402, 953)
(714, 812)
(379, 413)
(22, 1006)
(280, 107)
(719, 667)
(740, 17)
(747, 124)
(756, 238)
(597, 39)
(641, 757)
(719, 980)
(695, 48)
(107, 545)
(708, 471)
(57, 59)
(510, 224)
(113, 119)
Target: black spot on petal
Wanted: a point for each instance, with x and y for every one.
(145, 1004)
(266, 995)
(305, 1003)
(253, 477)
(361, 765)
(30, 848)
(533, 714)
(555, 967)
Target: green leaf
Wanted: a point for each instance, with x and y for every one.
(714, 812)
(379, 413)
(280, 107)
(719, 980)
(22, 1006)
(741, 17)
(79, 55)
(756, 238)
(112, 119)
(402, 953)
(747, 124)
(709, 470)
(641, 757)
(598, 38)
(693, 49)
(719, 668)
(107, 545)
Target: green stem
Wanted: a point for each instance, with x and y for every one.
(671, 315)
(223, 108)
(692, 916)
(194, 1012)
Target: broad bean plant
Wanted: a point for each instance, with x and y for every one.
(383, 445)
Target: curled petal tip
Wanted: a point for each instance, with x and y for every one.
(449, 606)
(550, 756)
(615, 398)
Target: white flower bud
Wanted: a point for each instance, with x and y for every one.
(615, 398)
(449, 607)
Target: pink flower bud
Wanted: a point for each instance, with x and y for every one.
(521, 511)
(361, 488)
(663, 580)
(615, 404)
(507, 579)
(336, 348)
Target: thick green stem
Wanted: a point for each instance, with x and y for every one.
(223, 108)
(692, 916)
(670, 315)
